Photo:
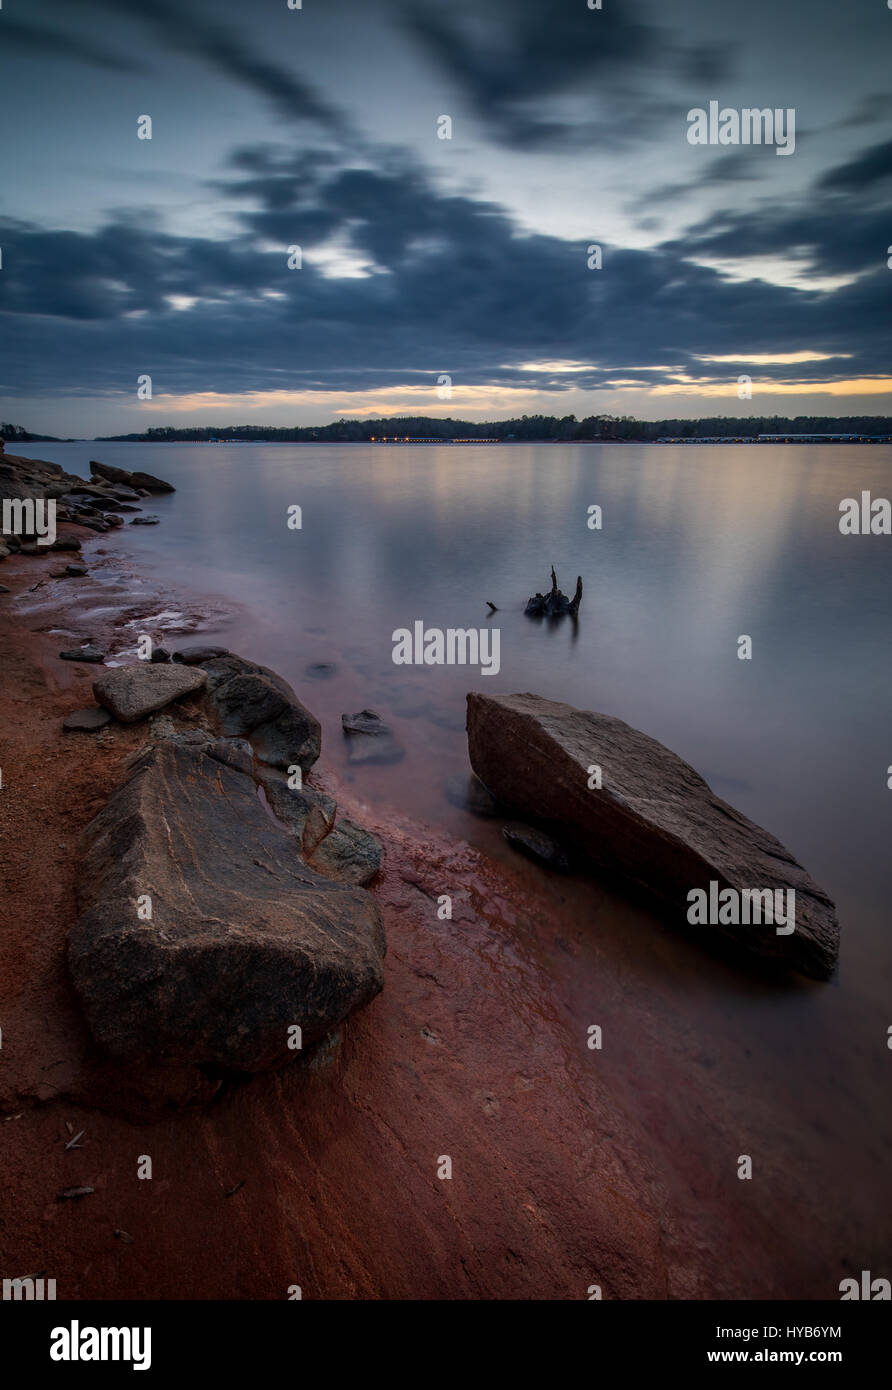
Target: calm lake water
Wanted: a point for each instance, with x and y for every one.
(699, 546)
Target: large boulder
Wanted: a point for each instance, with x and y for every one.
(654, 820)
(132, 692)
(244, 940)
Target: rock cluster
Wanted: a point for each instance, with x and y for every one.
(258, 922)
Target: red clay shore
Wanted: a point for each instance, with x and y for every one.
(571, 1167)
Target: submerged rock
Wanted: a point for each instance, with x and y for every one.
(468, 793)
(535, 844)
(369, 739)
(245, 941)
(132, 692)
(654, 820)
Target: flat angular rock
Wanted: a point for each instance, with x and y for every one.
(132, 692)
(655, 820)
(108, 473)
(86, 721)
(150, 483)
(245, 940)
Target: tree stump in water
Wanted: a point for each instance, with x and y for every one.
(554, 604)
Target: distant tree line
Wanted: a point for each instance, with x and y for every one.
(15, 434)
(527, 427)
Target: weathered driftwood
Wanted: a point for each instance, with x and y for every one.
(554, 604)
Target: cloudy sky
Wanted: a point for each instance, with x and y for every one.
(320, 127)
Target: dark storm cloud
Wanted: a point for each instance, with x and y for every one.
(832, 235)
(42, 43)
(510, 61)
(454, 288)
(180, 28)
(872, 167)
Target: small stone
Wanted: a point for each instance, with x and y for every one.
(83, 654)
(86, 721)
(160, 654)
(75, 571)
(145, 521)
(321, 670)
(197, 656)
(535, 844)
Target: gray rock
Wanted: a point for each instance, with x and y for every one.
(349, 854)
(145, 520)
(252, 701)
(86, 721)
(293, 737)
(160, 654)
(197, 656)
(245, 701)
(76, 571)
(108, 473)
(150, 483)
(654, 820)
(88, 653)
(132, 692)
(369, 739)
(234, 752)
(245, 942)
(309, 813)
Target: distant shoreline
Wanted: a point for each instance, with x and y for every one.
(527, 429)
